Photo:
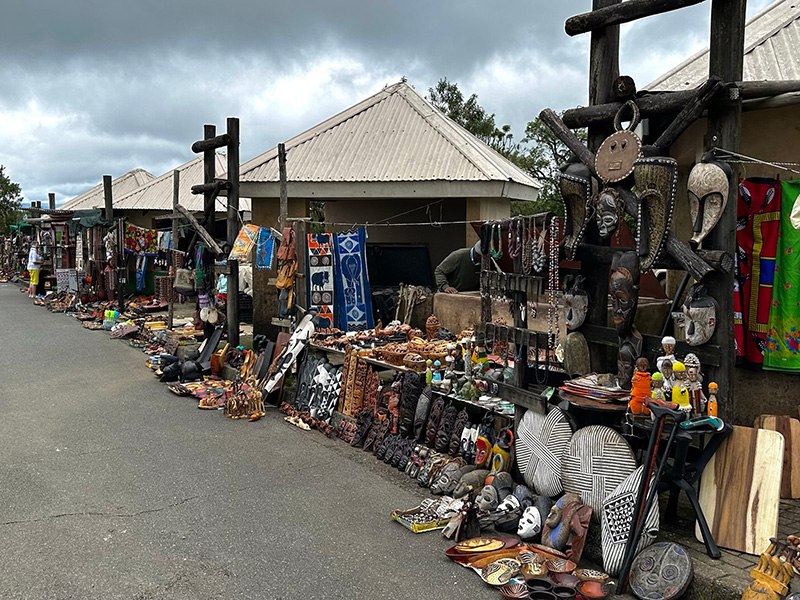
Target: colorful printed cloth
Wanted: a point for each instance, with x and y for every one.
(783, 337)
(265, 248)
(758, 221)
(141, 241)
(244, 242)
(353, 299)
(320, 280)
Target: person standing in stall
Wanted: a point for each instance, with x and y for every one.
(460, 271)
(34, 265)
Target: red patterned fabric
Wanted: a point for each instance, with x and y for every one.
(758, 223)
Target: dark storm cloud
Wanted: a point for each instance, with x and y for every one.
(93, 87)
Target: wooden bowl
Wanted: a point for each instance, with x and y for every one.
(560, 565)
(512, 591)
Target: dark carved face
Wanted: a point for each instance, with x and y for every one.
(607, 216)
(624, 299)
(626, 362)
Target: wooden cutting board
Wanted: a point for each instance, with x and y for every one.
(790, 429)
(740, 490)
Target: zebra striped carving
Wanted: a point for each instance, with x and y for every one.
(597, 460)
(541, 442)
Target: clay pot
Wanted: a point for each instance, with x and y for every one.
(563, 592)
(537, 584)
(542, 596)
(565, 579)
(594, 590)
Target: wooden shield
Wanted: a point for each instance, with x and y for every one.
(656, 181)
(576, 191)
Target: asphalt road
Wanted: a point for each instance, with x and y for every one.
(112, 487)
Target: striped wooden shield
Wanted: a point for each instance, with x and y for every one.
(616, 519)
(541, 441)
(597, 461)
(789, 428)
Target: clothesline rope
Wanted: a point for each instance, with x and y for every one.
(784, 166)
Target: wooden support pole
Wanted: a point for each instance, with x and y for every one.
(51, 199)
(764, 89)
(176, 188)
(726, 61)
(233, 230)
(301, 242)
(568, 138)
(603, 72)
(622, 13)
(690, 113)
(107, 197)
(284, 206)
(209, 172)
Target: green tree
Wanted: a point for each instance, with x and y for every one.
(539, 153)
(10, 201)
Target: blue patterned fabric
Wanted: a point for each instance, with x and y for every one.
(353, 301)
(265, 246)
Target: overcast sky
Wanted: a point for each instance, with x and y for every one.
(105, 86)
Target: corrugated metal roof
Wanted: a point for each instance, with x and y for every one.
(771, 51)
(157, 193)
(123, 184)
(392, 136)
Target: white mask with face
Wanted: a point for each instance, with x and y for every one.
(530, 525)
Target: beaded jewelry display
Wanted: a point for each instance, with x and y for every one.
(552, 287)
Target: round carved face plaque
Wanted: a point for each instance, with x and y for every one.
(616, 155)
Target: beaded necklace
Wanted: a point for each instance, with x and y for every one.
(527, 248)
(496, 242)
(514, 238)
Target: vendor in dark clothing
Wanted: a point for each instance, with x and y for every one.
(460, 271)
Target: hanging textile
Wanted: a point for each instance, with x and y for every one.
(758, 220)
(141, 270)
(783, 336)
(352, 284)
(141, 241)
(320, 279)
(265, 249)
(244, 242)
(79, 257)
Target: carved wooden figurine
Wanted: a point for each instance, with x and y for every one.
(680, 388)
(641, 384)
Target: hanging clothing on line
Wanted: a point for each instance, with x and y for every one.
(758, 221)
(783, 337)
(141, 270)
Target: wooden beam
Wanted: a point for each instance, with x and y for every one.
(284, 205)
(708, 354)
(690, 113)
(764, 89)
(51, 200)
(216, 186)
(655, 104)
(719, 259)
(108, 198)
(568, 138)
(622, 13)
(726, 61)
(232, 313)
(201, 231)
(212, 143)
